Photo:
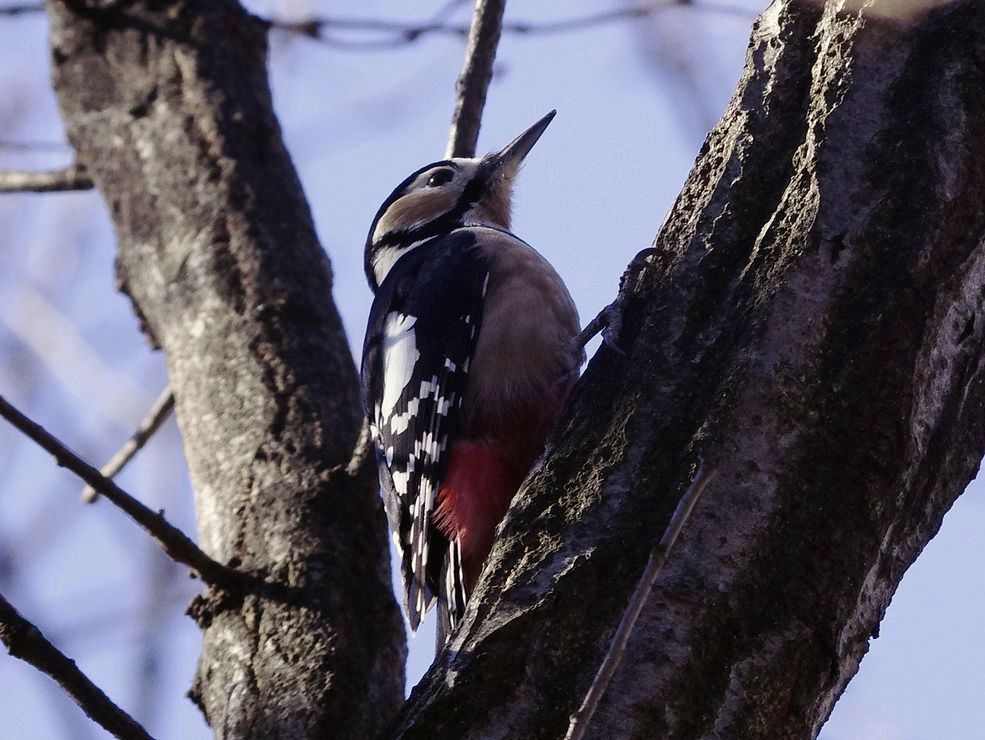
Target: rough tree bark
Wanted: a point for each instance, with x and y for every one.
(811, 324)
(168, 105)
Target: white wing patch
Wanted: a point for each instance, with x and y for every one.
(400, 481)
(400, 422)
(400, 354)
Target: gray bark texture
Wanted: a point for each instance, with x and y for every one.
(168, 105)
(810, 322)
(807, 322)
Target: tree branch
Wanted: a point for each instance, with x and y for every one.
(12, 11)
(34, 146)
(395, 34)
(25, 641)
(473, 82)
(581, 719)
(70, 178)
(173, 541)
(156, 416)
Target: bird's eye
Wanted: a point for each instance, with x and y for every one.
(439, 178)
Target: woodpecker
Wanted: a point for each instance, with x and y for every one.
(469, 355)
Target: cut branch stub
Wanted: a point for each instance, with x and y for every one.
(51, 181)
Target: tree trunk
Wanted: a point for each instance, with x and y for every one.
(808, 324)
(168, 105)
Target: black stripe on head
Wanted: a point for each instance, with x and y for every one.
(400, 191)
(471, 194)
(397, 193)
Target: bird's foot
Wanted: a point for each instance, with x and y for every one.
(609, 320)
(609, 324)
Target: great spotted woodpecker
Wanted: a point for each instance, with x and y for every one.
(469, 355)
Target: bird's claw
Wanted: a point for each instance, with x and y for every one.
(612, 327)
(609, 320)
(609, 324)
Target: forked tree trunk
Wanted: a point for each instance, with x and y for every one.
(812, 324)
(809, 324)
(168, 105)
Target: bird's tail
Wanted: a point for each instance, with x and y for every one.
(443, 630)
(452, 596)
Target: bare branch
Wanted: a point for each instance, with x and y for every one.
(395, 34)
(473, 82)
(174, 542)
(11, 11)
(25, 641)
(581, 718)
(51, 181)
(34, 146)
(157, 415)
(633, 12)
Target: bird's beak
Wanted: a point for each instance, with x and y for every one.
(509, 159)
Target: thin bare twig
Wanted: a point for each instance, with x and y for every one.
(51, 181)
(172, 540)
(158, 413)
(473, 82)
(21, 9)
(581, 718)
(395, 34)
(34, 146)
(23, 640)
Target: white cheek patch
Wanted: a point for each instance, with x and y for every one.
(400, 355)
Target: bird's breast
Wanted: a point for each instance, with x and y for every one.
(526, 357)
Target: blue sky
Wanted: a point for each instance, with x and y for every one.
(634, 102)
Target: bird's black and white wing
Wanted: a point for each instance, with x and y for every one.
(421, 336)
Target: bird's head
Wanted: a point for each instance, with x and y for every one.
(444, 196)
